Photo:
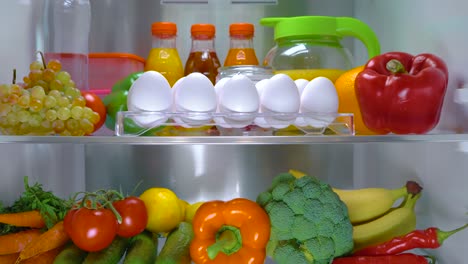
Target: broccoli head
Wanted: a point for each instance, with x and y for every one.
(309, 222)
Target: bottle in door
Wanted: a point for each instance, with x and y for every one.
(203, 57)
(241, 50)
(164, 57)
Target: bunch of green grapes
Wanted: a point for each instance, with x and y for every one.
(48, 103)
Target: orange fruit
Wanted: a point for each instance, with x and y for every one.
(348, 102)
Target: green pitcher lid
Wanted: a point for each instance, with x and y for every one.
(325, 26)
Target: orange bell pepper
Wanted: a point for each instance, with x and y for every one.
(236, 231)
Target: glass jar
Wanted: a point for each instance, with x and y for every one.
(254, 73)
(310, 46)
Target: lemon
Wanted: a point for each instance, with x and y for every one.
(191, 210)
(164, 209)
(183, 206)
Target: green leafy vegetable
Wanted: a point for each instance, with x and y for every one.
(51, 207)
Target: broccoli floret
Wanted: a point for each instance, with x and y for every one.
(288, 253)
(309, 223)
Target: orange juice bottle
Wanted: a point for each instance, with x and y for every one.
(241, 51)
(164, 57)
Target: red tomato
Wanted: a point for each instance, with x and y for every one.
(67, 220)
(93, 229)
(95, 103)
(134, 216)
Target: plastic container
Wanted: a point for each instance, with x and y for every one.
(241, 50)
(164, 57)
(203, 57)
(67, 34)
(105, 69)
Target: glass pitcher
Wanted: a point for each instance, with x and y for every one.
(309, 46)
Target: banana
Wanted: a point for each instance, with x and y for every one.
(369, 203)
(397, 222)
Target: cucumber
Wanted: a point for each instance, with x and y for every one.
(176, 250)
(143, 249)
(110, 255)
(71, 254)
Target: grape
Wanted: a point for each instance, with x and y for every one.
(4, 109)
(86, 126)
(13, 98)
(12, 118)
(94, 118)
(79, 101)
(63, 101)
(76, 112)
(58, 126)
(55, 93)
(23, 116)
(43, 84)
(24, 128)
(65, 133)
(35, 75)
(35, 120)
(56, 85)
(37, 92)
(16, 89)
(72, 125)
(3, 121)
(36, 65)
(36, 105)
(63, 113)
(63, 77)
(71, 92)
(54, 65)
(50, 101)
(24, 100)
(51, 115)
(77, 133)
(46, 125)
(48, 75)
(71, 83)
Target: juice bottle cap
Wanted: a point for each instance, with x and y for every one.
(164, 28)
(241, 29)
(203, 30)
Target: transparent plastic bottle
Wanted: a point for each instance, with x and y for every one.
(203, 57)
(164, 57)
(67, 37)
(241, 50)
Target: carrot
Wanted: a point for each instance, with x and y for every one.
(53, 238)
(9, 259)
(47, 257)
(31, 219)
(15, 242)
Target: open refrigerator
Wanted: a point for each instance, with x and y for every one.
(224, 167)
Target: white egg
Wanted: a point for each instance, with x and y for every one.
(239, 100)
(320, 99)
(301, 84)
(261, 86)
(260, 120)
(174, 88)
(195, 96)
(280, 98)
(150, 93)
(220, 84)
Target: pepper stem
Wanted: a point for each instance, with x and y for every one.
(228, 241)
(395, 66)
(443, 235)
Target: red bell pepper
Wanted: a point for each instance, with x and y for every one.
(401, 93)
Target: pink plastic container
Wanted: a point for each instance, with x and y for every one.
(105, 69)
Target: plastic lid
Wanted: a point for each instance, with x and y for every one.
(241, 29)
(164, 28)
(205, 30)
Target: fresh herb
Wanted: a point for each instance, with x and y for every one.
(51, 207)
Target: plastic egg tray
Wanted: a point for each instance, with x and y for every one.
(132, 123)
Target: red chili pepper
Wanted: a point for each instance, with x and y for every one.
(429, 238)
(401, 93)
(406, 258)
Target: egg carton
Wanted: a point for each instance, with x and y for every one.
(146, 123)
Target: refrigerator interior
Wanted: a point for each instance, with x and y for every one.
(220, 171)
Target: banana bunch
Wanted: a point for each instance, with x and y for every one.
(374, 215)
